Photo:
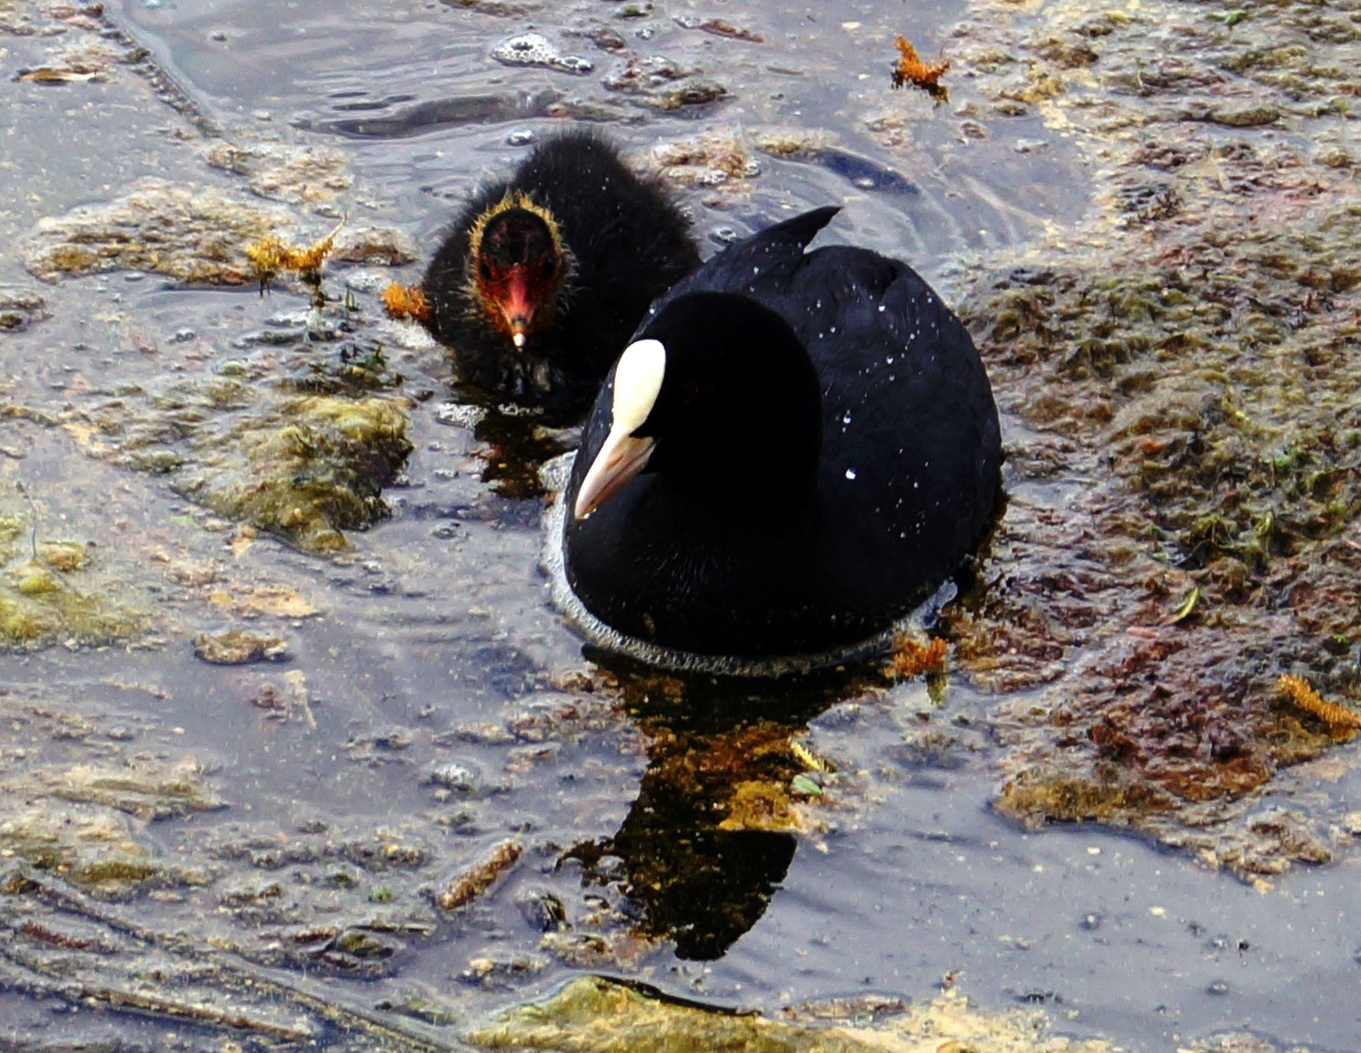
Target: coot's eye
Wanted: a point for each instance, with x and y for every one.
(687, 392)
(484, 269)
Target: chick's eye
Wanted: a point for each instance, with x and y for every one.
(484, 269)
(687, 392)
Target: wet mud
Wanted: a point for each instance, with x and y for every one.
(294, 752)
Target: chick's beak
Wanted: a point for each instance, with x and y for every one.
(620, 458)
(518, 305)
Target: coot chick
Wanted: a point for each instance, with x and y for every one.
(544, 276)
(795, 451)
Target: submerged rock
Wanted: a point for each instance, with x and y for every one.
(535, 49)
(69, 794)
(146, 789)
(239, 647)
(19, 309)
(659, 83)
(305, 469)
(92, 850)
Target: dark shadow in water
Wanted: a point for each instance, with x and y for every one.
(517, 448)
(707, 841)
(518, 441)
(424, 117)
(864, 173)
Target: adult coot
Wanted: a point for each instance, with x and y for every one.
(544, 276)
(796, 450)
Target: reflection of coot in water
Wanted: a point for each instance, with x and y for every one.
(719, 757)
(697, 885)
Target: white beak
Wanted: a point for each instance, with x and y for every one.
(637, 382)
(621, 458)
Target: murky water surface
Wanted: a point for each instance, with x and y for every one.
(432, 707)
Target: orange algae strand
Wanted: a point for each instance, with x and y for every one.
(473, 882)
(911, 658)
(912, 70)
(1298, 690)
(405, 301)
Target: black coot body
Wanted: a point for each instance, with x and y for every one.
(590, 243)
(824, 451)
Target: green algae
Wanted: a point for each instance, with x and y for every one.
(597, 1015)
(192, 234)
(46, 598)
(64, 556)
(1235, 453)
(296, 175)
(147, 789)
(17, 17)
(303, 467)
(19, 309)
(307, 469)
(94, 851)
(604, 1016)
(199, 234)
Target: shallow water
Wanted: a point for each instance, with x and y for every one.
(437, 621)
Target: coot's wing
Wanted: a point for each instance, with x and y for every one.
(911, 444)
(773, 254)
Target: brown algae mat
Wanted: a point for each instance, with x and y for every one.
(1185, 438)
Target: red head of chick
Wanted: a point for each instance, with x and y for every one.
(542, 277)
(518, 267)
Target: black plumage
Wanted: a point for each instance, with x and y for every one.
(619, 242)
(825, 452)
